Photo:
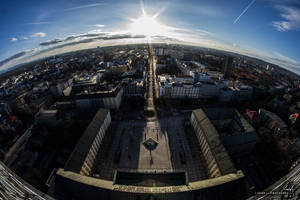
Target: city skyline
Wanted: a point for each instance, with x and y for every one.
(265, 29)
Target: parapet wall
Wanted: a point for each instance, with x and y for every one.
(69, 185)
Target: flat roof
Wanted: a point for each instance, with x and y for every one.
(213, 139)
(96, 94)
(151, 179)
(229, 113)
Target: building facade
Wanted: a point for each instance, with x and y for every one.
(193, 91)
(110, 99)
(134, 88)
(84, 155)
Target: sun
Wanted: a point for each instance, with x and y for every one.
(147, 25)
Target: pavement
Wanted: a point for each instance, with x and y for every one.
(171, 141)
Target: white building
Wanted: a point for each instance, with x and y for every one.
(178, 91)
(176, 87)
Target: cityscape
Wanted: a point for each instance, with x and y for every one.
(148, 119)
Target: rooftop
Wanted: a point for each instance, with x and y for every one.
(228, 121)
(104, 184)
(84, 144)
(273, 116)
(96, 92)
(213, 139)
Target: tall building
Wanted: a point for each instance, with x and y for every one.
(227, 67)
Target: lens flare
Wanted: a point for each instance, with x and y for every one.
(148, 26)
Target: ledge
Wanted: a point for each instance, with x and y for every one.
(104, 184)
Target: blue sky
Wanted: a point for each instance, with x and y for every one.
(268, 29)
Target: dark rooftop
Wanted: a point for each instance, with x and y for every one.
(83, 146)
(213, 139)
(151, 179)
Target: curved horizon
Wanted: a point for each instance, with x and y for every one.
(266, 30)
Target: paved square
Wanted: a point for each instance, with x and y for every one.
(173, 151)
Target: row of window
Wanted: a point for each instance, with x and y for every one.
(207, 154)
(90, 159)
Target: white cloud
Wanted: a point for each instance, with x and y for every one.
(274, 58)
(198, 37)
(99, 25)
(25, 38)
(14, 39)
(285, 62)
(290, 18)
(285, 58)
(38, 34)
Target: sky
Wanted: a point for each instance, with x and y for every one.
(266, 29)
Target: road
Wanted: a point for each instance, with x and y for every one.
(151, 85)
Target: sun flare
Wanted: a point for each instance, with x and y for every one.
(148, 26)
